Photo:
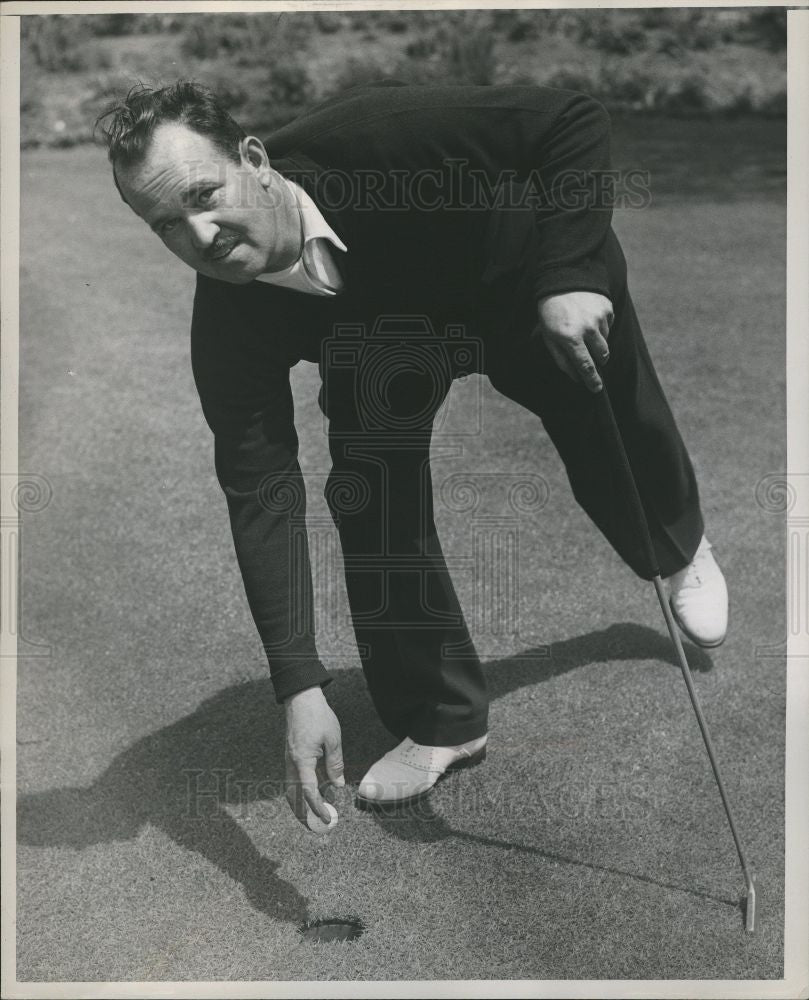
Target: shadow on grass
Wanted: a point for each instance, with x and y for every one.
(424, 825)
(230, 752)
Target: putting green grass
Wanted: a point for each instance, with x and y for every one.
(153, 839)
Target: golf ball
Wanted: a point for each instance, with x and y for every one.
(316, 824)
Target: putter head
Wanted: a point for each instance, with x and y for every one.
(750, 915)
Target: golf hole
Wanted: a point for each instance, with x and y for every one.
(332, 930)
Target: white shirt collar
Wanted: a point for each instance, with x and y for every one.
(314, 227)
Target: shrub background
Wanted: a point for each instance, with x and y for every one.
(268, 67)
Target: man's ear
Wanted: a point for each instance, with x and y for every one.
(254, 155)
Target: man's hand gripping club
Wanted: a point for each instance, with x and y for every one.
(575, 327)
(313, 734)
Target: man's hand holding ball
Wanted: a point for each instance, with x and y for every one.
(313, 734)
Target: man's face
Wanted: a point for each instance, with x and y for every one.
(228, 220)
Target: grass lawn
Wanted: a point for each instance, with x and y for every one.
(592, 844)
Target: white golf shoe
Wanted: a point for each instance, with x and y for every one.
(699, 598)
(411, 770)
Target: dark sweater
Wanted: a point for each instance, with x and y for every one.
(438, 193)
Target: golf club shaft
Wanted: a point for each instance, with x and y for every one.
(621, 462)
(703, 725)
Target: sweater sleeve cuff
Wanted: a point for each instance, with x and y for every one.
(293, 677)
(589, 278)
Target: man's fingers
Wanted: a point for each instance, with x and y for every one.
(293, 790)
(597, 343)
(560, 358)
(311, 793)
(334, 764)
(575, 327)
(302, 790)
(585, 366)
(315, 802)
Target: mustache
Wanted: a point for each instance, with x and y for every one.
(219, 247)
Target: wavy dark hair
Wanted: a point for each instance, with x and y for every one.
(128, 124)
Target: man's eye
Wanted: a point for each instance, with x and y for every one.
(168, 226)
(205, 195)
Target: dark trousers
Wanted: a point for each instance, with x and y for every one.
(382, 393)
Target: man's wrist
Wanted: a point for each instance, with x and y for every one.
(309, 694)
(296, 674)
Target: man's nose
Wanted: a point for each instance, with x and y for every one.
(203, 231)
